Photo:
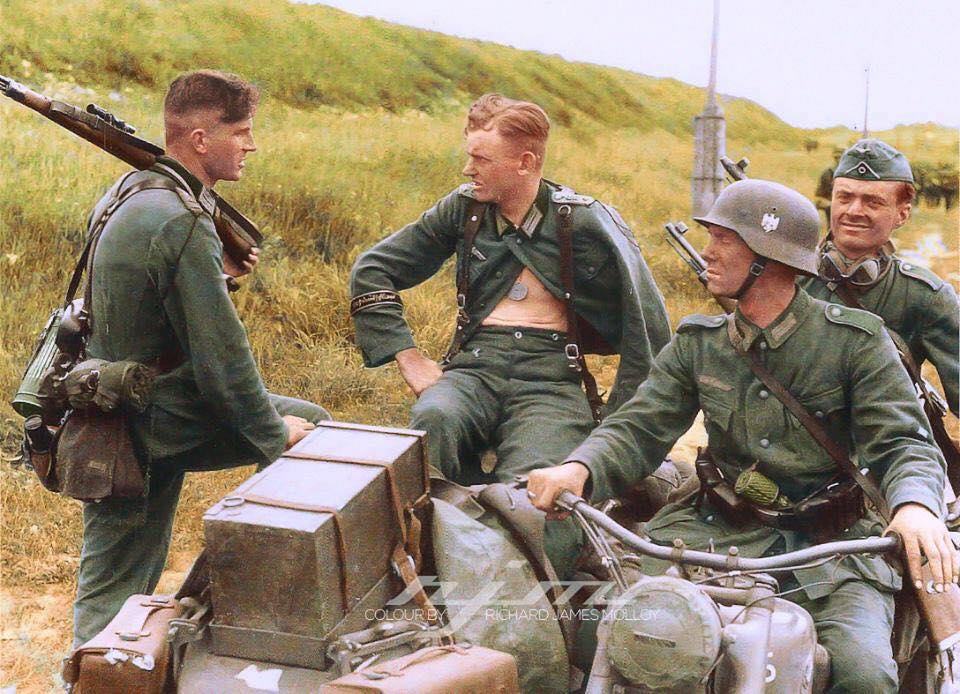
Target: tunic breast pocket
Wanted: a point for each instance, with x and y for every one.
(826, 406)
(590, 259)
(717, 409)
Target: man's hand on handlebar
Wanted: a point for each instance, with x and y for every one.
(923, 534)
(544, 486)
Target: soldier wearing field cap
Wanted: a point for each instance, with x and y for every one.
(873, 193)
(842, 367)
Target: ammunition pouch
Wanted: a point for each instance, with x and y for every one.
(823, 515)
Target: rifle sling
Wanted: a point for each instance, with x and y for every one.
(813, 426)
(906, 355)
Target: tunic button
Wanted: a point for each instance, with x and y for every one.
(518, 334)
(764, 395)
(499, 274)
(763, 345)
(764, 443)
(836, 311)
(907, 266)
(591, 269)
(519, 241)
(818, 414)
(555, 337)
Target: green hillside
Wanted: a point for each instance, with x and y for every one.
(312, 56)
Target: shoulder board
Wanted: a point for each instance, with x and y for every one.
(466, 190)
(565, 196)
(698, 320)
(179, 186)
(918, 272)
(854, 317)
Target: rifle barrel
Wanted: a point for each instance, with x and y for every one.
(115, 137)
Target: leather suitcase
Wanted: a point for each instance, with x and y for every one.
(301, 551)
(438, 670)
(130, 655)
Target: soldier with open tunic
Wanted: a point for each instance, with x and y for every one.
(544, 275)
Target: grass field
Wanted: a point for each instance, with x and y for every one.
(359, 131)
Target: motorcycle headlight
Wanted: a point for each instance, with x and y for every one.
(664, 634)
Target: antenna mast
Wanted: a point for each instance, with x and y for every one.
(710, 133)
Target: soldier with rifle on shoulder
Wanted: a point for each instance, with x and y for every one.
(808, 413)
(158, 298)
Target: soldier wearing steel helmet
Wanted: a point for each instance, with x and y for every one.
(872, 196)
(841, 365)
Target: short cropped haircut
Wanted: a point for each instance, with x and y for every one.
(906, 193)
(236, 98)
(521, 121)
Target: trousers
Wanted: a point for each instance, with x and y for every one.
(126, 541)
(513, 391)
(854, 624)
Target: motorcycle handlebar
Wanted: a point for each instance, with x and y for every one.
(731, 561)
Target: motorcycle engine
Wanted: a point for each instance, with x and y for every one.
(664, 634)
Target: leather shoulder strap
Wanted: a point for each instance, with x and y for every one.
(474, 217)
(573, 346)
(121, 195)
(815, 428)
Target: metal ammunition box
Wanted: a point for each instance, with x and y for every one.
(300, 551)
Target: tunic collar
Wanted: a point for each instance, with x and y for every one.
(531, 220)
(782, 327)
(204, 195)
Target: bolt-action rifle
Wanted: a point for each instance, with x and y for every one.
(114, 136)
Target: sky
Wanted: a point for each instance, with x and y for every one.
(804, 60)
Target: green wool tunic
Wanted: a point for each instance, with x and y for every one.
(839, 363)
(615, 292)
(919, 306)
(158, 290)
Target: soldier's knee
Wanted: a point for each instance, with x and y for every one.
(432, 416)
(856, 667)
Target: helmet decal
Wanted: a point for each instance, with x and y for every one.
(770, 222)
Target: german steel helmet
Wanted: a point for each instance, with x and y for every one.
(874, 160)
(776, 222)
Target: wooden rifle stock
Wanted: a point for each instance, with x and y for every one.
(238, 234)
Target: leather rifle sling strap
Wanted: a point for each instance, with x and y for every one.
(573, 346)
(474, 216)
(815, 428)
(933, 409)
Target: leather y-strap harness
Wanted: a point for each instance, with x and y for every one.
(475, 212)
(815, 428)
(573, 351)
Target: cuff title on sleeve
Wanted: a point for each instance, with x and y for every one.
(371, 299)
